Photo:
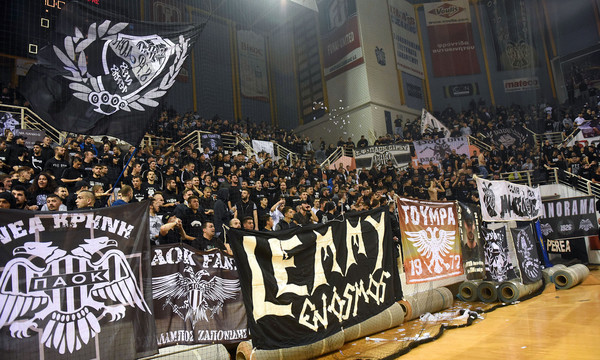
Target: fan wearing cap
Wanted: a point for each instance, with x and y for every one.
(7, 200)
(16, 149)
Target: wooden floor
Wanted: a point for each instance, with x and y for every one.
(561, 324)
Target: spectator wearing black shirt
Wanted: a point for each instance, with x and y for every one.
(139, 192)
(245, 207)
(72, 175)
(57, 165)
(170, 194)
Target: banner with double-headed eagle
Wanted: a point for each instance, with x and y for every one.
(197, 297)
(76, 284)
(430, 240)
(105, 74)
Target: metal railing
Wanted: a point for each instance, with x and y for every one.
(282, 152)
(31, 120)
(525, 177)
(194, 139)
(482, 145)
(567, 139)
(553, 137)
(559, 176)
(338, 153)
(154, 141)
(249, 149)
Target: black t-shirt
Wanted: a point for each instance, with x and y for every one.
(56, 167)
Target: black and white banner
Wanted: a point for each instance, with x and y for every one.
(212, 142)
(435, 150)
(430, 124)
(569, 218)
(197, 297)
(472, 245)
(307, 283)
(379, 155)
(511, 136)
(498, 266)
(503, 201)
(9, 121)
(76, 285)
(105, 74)
(527, 255)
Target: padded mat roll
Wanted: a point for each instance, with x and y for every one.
(487, 291)
(389, 318)
(246, 352)
(467, 291)
(430, 301)
(571, 276)
(548, 273)
(512, 290)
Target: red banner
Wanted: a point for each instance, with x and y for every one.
(451, 38)
(430, 240)
(341, 49)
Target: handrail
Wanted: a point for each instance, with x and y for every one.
(284, 153)
(338, 153)
(572, 135)
(31, 120)
(194, 139)
(579, 183)
(479, 143)
(523, 177)
(249, 149)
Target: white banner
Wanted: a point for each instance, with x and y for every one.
(266, 146)
(429, 123)
(503, 201)
(406, 38)
(522, 84)
(253, 65)
(436, 150)
(447, 12)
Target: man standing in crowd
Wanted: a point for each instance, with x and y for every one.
(57, 165)
(305, 216)
(73, 174)
(245, 207)
(155, 219)
(209, 241)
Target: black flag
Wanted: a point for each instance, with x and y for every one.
(307, 283)
(76, 285)
(527, 255)
(105, 75)
(498, 266)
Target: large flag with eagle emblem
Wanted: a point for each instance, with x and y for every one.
(197, 297)
(430, 240)
(76, 284)
(106, 75)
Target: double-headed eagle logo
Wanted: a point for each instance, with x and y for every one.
(65, 298)
(199, 295)
(435, 246)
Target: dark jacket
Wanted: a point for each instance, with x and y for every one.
(222, 214)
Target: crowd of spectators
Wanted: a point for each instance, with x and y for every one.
(194, 192)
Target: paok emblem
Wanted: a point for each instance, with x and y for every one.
(66, 297)
(200, 295)
(129, 64)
